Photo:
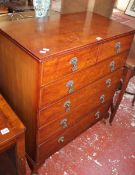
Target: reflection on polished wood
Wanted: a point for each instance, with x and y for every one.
(62, 33)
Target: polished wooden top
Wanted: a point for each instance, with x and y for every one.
(60, 33)
(8, 122)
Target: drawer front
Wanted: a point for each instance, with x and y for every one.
(60, 66)
(71, 83)
(83, 96)
(62, 138)
(114, 47)
(67, 120)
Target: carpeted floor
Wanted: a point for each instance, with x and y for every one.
(102, 149)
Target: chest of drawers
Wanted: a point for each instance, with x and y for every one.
(59, 74)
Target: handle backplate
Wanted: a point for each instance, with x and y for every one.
(70, 86)
(64, 123)
(61, 139)
(118, 47)
(112, 66)
(102, 98)
(67, 106)
(73, 62)
(108, 83)
(97, 115)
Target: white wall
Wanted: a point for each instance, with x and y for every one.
(122, 4)
(102, 7)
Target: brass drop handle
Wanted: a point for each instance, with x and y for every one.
(70, 86)
(64, 123)
(67, 106)
(73, 62)
(102, 98)
(97, 115)
(61, 139)
(108, 83)
(118, 47)
(112, 66)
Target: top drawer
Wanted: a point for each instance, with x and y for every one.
(114, 47)
(69, 84)
(59, 66)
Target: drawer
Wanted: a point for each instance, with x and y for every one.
(69, 84)
(114, 47)
(68, 120)
(60, 139)
(83, 96)
(60, 66)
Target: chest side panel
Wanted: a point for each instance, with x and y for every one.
(19, 85)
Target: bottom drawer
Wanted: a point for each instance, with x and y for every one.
(62, 138)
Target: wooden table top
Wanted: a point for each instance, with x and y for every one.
(8, 120)
(60, 33)
(3, 9)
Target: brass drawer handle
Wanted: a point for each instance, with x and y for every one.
(118, 47)
(67, 106)
(64, 123)
(61, 139)
(73, 62)
(112, 66)
(108, 83)
(70, 86)
(102, 98)
(97, 115)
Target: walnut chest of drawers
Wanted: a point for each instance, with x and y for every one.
(59, 74)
